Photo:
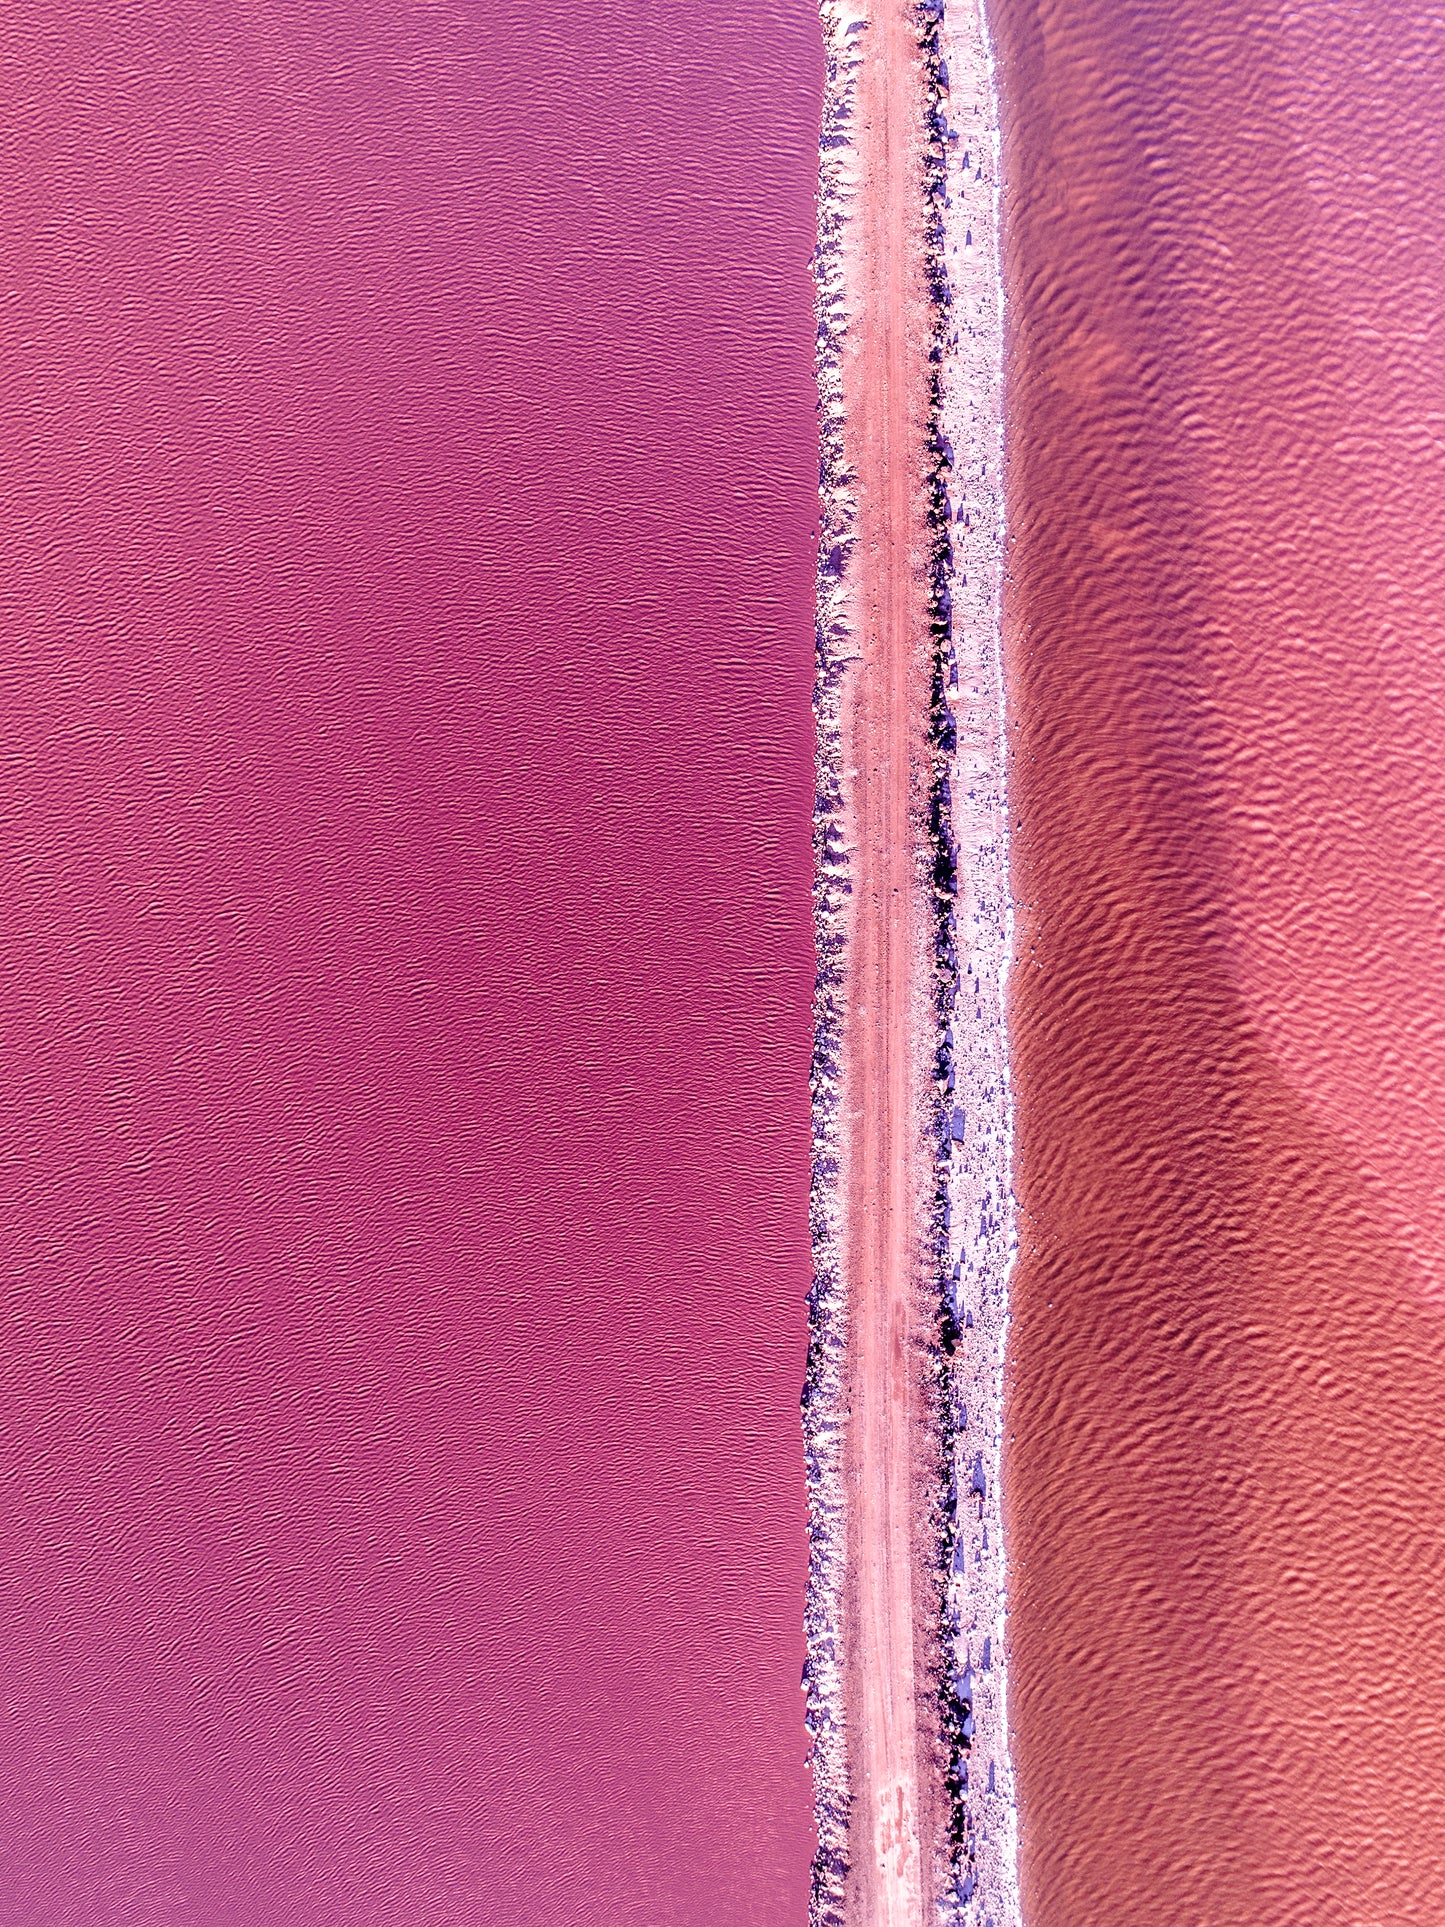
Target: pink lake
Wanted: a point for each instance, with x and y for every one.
(407, 486)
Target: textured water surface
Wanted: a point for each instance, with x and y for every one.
(1226, 1484)
(407, 476)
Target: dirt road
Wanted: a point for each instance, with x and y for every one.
(893, 1759)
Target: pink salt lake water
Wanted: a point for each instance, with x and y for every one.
(407, 481)
(1226, 632)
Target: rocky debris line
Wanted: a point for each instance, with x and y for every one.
(976, 1237)
(844, 25)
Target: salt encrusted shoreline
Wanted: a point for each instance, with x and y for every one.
(974, 1211)
(976, 939)
(824, 1393)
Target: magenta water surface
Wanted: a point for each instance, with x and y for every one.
(407, 481)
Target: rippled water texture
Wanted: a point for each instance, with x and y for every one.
(1227, 637)
(408, 468)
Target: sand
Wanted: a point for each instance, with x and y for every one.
(888, 1605)
(913, 1208)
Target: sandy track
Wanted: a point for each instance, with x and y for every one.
(889, 1596)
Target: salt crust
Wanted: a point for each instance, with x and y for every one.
(824, 1393)
(980, 1235)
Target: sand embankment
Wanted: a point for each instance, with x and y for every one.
(885, 1597)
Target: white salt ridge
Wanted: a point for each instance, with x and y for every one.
(824, 1397)
(982, 1237)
